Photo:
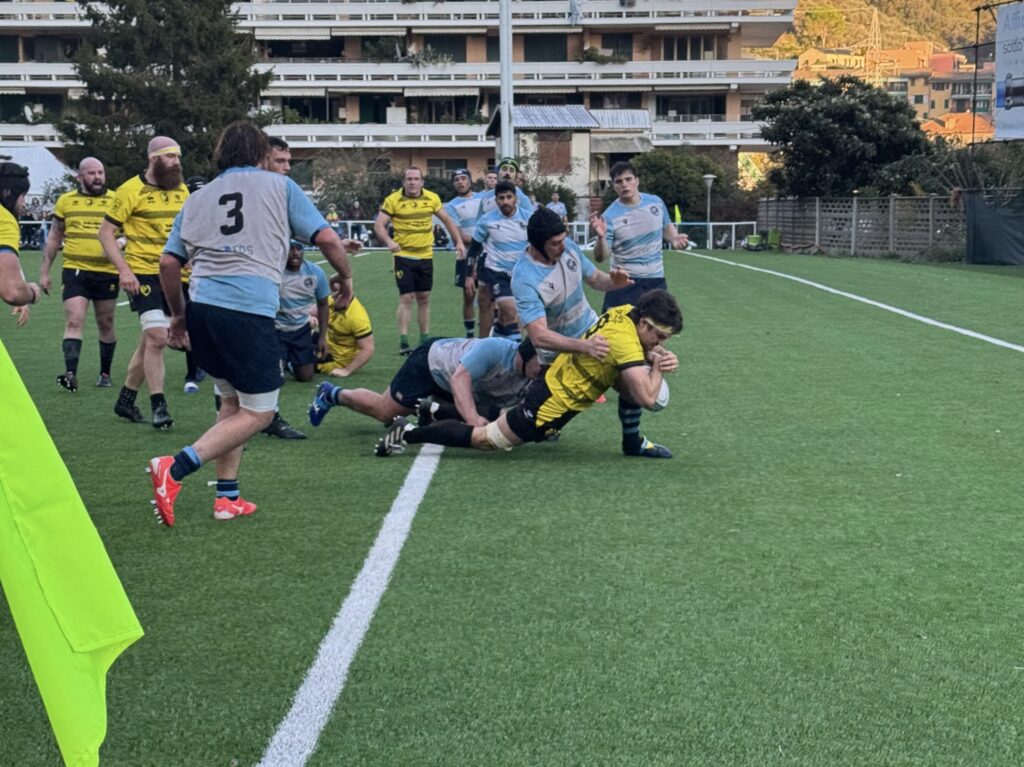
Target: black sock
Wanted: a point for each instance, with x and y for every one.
(156, 400)
(190, 367)
(72, 351)
(629, 417)
(107, 356)
(449, 433)
(127, 396)
(446, 411)
(506, 330)
(470, 326)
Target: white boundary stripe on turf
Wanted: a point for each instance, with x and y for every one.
(870, 302)
(297, 735)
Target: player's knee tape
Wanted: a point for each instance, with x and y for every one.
(154, 318)
(223, 389)
(259, 403)
(496, 439)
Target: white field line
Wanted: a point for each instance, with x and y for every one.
(868, 301)
(296, 737)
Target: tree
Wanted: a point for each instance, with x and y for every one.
(835, 136)
(822, 27)
(154, 67)
(677, 177)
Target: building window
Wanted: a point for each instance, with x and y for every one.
(691, 108)
(443, 168)
(694, 48)
(374, 109)
(918, 98)
(615, 101)
(554, 152)
(546, 48)
(447, 45)
(618, 44)
(9, 49)
(442, 109)
(493, 50)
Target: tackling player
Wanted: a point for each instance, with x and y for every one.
(574, 382)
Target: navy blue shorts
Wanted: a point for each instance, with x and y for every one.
(297, 347)
(460, 272)
(500, 282)
(241, 348)
(413, 380)
(631, 293)
(94, 286)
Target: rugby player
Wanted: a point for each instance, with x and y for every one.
(410, 210)
(144, 207)
(501, 236)
(234, 232)
(635, 362)
(476, 374)
(349, 337)
(463, 209)
(86, 274)
(14, 289)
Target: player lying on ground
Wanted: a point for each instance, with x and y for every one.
(475, 374)
(574, 382)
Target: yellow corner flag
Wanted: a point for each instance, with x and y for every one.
(67, 602)
(679, 217)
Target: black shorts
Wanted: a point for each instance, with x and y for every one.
(524, 422)
(150, 297)
(414, 275)
(297, 346)
(631, 293)
(499, 282)
(413, 380)
(238, 347)
(94, 286)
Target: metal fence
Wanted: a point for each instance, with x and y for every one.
(908, 227)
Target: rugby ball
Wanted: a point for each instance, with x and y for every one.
(661, 402)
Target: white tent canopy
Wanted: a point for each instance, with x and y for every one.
(43, 168)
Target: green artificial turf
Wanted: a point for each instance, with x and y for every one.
(828, 573)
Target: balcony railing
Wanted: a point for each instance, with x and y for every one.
(747, 134)
(46, 76)
(337, 17)
(631, 75)
(394, 136)
(312, 136)
(14, 134)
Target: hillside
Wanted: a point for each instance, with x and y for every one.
(846, 23)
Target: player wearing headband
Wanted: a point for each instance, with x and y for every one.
(634, 363)
(144, 208)
(14, 290)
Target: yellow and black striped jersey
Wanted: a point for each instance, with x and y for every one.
(10, 232)
(82, 215)
(413, 220)
(577, 380)
(146, 214)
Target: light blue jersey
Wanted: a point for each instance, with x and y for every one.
(300, 291)
(463, 211)
(234, 233)
(559, 208)
(555, 293)
(635, 235)
(503, 238)
(488, 203)
(490, 363)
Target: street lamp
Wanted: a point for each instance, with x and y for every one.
(709, 179)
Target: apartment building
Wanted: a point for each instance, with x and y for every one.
(421, 79)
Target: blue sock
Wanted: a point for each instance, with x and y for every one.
(185, 463)
(336, 394)
(227, 488)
